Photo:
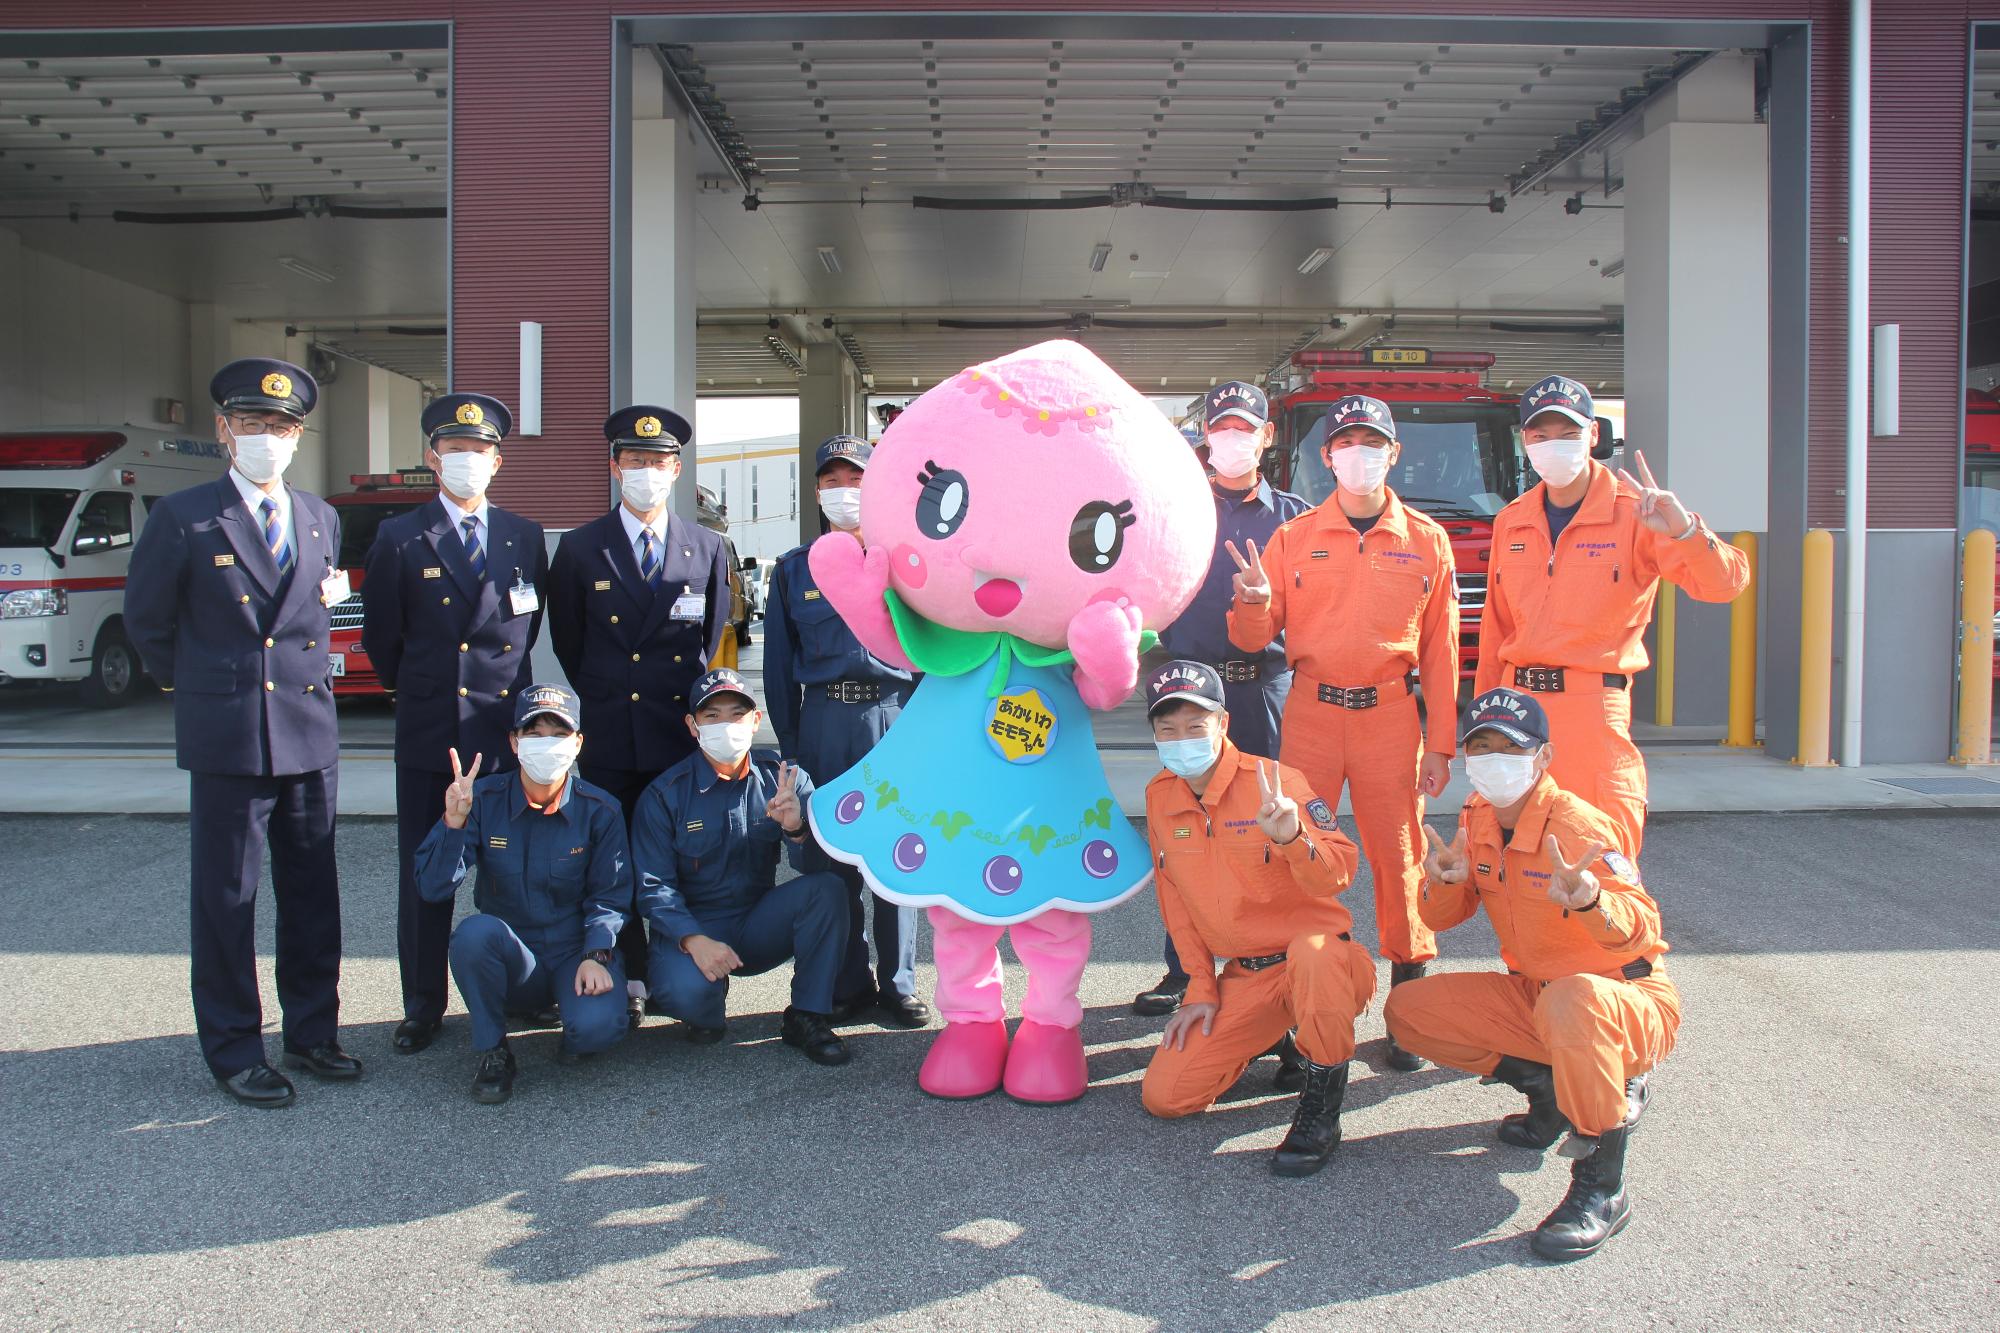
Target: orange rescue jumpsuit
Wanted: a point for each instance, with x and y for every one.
(1584, 991)
(1226, 890)
(1582, 605)
(1362, 610)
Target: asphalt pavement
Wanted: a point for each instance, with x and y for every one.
(1817, 1153)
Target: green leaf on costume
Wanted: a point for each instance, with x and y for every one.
(1099, 814)
(952, 823)
(885, 795)
(1037, 837)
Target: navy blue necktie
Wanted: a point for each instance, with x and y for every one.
(475, 555)
(649, 558)
(274, 537)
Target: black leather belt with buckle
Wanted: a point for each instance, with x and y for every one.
(1236, 673)
(1550, 680)
(853, 691)
(1259, 964)
(1361, 696)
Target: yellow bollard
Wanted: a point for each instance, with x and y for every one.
(1975, 652)
(1743, 654)
(1816, 651)
(1663, 670)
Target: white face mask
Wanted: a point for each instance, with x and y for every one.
(466, 475)
(1559, 462)
(1361, 467)
(1189, 758)
(264, 458)
(727, 742)
(546, 758)
(1232, 452)
(645, 487)
(1503, 778)
(842, 505)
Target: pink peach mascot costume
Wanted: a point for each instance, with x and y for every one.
(1030, 525)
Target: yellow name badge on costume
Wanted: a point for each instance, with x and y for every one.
(1021, 726)
(522, 597)
(688, 606)
(333, 589)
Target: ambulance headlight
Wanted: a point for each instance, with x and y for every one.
(25, 602)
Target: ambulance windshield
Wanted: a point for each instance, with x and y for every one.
(1460, 460)
(31, 516)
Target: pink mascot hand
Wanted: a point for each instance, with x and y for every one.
(854, 579)
(1104, 638)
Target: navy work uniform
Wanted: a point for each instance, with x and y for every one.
(831, 700)
(636, 608)
(453, 608)
(226, 603)
(1256, 686)
(705, 853)
(554, 888)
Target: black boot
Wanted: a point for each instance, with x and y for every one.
(1596, 1208)
(1315, 1131)
(494, 1083)
(1163, 998)
(1637, 1094)
(1291, 1075)
(1544, 1121)
(1397, 1058)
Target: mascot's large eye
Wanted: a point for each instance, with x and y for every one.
(941, 506)
(1097, 534)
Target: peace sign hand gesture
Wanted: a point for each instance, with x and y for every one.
(784, 806)
(1572, 885)
(1252, 584)
(458, 796)
(1659, 509)
(1277, 813)
(1445, 863)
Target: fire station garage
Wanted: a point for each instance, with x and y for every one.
(573, 208)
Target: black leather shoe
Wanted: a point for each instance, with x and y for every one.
(854, 1008)
(414, 1034)
(326, 1060)
(1408, 1062)
(260, 1086)
(1163, 999)
(697, 1035)
(903, 1011)
(1291, 1075)
(1315, 1131)
(494, 1083)
(1637, 1093)
(814, 1035)
(1543, 1122)
(1596, 1208)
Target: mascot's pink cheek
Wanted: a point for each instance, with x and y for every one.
(908, 568)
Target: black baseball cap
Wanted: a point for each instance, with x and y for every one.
(1184, 681)
(1558, 393)
(722, 680)
(842, 449)
(1513, 714)
(554, 700)
(1244, 401)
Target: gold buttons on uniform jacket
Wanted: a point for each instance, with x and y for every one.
(246, 599)
(635, 657)
(614, 619)
(506, 647)
(270, 684)
(270, 643)
(465, 647)
(312, 643)
(447, 601)
(635, 698)
(310, 689)
(461, 691)
(503, 694)
(677, 657)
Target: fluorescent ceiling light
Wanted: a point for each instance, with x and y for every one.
(1315, 261)
(828, 259)
(303, 269)
(1615, 268)
(1098, 255)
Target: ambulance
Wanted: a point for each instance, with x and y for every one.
(72, 502)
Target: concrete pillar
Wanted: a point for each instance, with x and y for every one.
(828, 396)
(661, 225)
(1697, 349)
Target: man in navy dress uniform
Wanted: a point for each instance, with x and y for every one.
(227, 604)
(453, 607)
(705, 854)
(831, 701)
(638, 600)
(1247, 509)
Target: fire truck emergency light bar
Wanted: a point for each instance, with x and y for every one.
(414, 477)
(1393, 356)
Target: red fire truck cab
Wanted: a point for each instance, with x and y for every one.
(1461, 460)
(376, 498)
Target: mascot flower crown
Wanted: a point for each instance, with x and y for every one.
(1021, 491)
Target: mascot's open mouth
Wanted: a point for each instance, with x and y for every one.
(995, 596)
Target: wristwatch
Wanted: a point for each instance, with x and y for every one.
(602, 957)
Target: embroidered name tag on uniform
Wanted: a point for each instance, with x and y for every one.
(496, 842)
(694, 826)
(1319, 555)
(1518, 546)
(224, 561)
(602, 585)
(1485, 869)
(1183, 833)
(813, 595)
(434, 572)
(576, 851)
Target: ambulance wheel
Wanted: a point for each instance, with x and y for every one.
(113, 681)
